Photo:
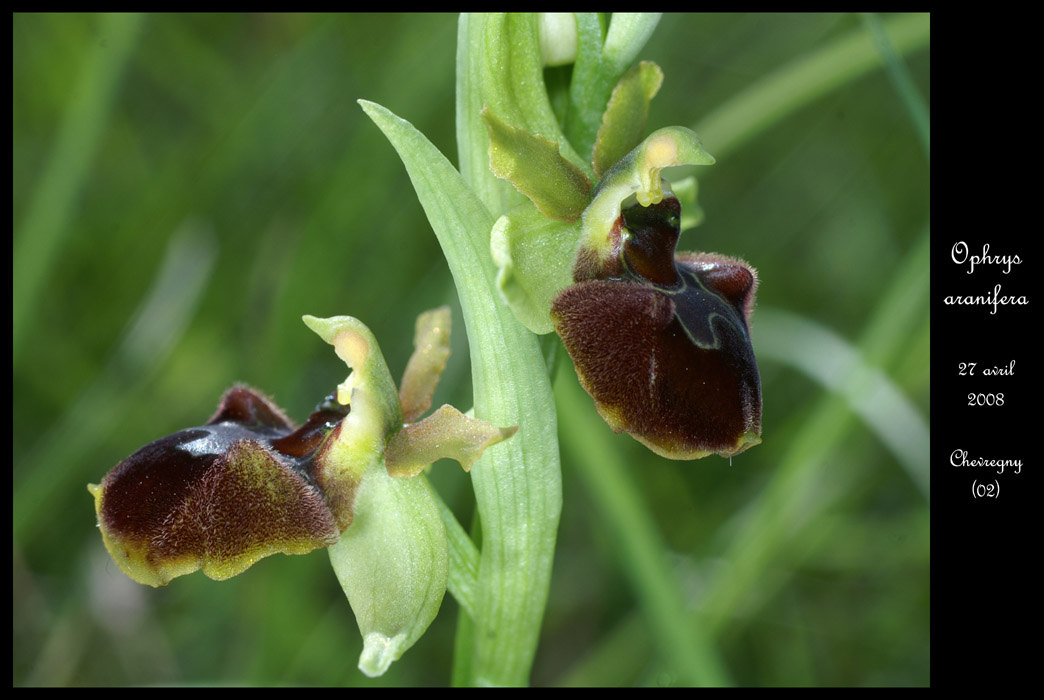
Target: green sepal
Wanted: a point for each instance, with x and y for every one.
(445, 434)
(534, 256)
(637, 173)
(500, 66)
(533, 164)
(623, 124)
(393, 564)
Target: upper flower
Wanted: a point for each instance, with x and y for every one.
(660, 341)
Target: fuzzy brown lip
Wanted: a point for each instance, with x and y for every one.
(662, 342)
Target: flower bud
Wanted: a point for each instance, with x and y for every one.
(558, 38)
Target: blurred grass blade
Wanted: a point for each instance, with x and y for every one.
(60, 455)
(830, 360)
(902, 81)
(774, 528)
(46, 224)
(630, 527)
(804, 79)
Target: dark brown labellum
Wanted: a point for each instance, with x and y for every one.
(221, 496)
(662, 343)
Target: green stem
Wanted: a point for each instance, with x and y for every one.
(464, 560)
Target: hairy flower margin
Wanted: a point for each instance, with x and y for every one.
(248, 484)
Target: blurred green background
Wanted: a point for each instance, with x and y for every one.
(187, 186)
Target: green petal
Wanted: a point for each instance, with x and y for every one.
(533, 164)
(430, 351)
(623, 124)
(447, 433)
(534, 256)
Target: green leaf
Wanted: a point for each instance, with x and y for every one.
(534, 166)
(623, 125)
(535, 257)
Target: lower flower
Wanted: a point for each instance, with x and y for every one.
(248, 484)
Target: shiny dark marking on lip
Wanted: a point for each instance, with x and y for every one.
(145, 484)
(697, 308)
(649, 246)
